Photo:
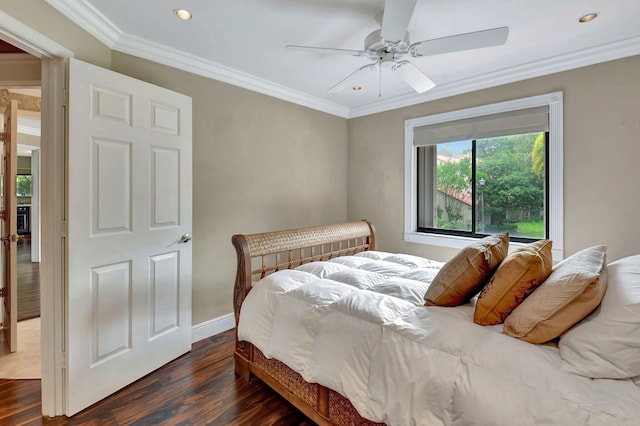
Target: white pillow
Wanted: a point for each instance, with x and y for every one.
(607, 343)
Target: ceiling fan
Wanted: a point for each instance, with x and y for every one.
(388, 45)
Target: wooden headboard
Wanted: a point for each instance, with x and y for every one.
(262, 254)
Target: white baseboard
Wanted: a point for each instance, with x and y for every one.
(212, 327)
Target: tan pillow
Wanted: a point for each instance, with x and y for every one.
(463, 277)
(574, 289)
(521, 272)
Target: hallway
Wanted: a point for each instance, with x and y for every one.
(25, 363)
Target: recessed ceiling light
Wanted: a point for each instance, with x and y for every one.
(588, 17)
(183, 14)
(356, 88)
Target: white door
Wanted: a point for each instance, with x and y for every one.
(8, 231)
(129, 219)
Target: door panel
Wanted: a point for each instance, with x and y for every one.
(111, 306)
(111, 191)
(165, 287)
(129, 192)
(8, 223)
(165, 187)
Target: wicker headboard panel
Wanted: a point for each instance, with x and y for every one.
(262, 254)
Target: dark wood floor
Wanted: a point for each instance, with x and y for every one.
(28, 281)
(199, 388)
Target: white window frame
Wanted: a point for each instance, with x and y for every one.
(555, 170)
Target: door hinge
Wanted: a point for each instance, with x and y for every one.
(61, 360)
(65, 97)
(3, 292)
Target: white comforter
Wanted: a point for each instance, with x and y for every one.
(357, 325)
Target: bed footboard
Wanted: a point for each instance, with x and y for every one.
(261, 254)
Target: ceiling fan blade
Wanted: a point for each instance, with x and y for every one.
(413, 76)
(352, 78)
(459, 42)
(395, 19)
(326, 50)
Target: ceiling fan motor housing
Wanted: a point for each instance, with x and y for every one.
(379, 49)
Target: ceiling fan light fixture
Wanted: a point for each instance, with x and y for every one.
(588, 17)
(183, 14)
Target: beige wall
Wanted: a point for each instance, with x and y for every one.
(38, 15)
(260, 164)
(264, 164)
(24, 165)
(601, 158)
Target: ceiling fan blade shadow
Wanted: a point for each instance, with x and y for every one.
(413, 76)
(352, 78)
(395, 19)
(326, 50)
(459, 42)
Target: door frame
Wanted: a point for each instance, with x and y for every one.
(53, 204)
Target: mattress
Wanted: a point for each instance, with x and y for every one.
(357, 325)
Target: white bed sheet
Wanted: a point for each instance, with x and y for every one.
(361, 329)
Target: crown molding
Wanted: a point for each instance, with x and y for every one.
(19, 70)
(27, 129)
(100, 27)
(19, 59)
(104, 30)
(573, 60)
(162, 54)
(89, 19)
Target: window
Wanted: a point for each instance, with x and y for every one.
(23, 185)
(485, 170)
(484, 186)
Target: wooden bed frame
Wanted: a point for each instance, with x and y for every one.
(262, 254)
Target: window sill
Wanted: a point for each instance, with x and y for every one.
(458, 242)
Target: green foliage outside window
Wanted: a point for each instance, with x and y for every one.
(510, 187)
(23, 185)
(454, 180)
(506, 163)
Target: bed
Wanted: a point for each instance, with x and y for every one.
(342, 332)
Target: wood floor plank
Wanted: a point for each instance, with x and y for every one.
(28, 274)
(199, 388)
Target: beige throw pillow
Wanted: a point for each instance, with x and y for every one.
(463, 277)
(572, 291)
(521, 272)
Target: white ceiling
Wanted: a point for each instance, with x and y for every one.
(242, 42)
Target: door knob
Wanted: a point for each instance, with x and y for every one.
(184, 239)
(14, 238)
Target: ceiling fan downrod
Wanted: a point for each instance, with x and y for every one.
(387, 60)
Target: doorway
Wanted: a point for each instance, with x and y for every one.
(25, 363)
(51, 76)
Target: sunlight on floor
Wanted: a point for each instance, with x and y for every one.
(25, 362)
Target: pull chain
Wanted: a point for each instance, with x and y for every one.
(379, 79)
